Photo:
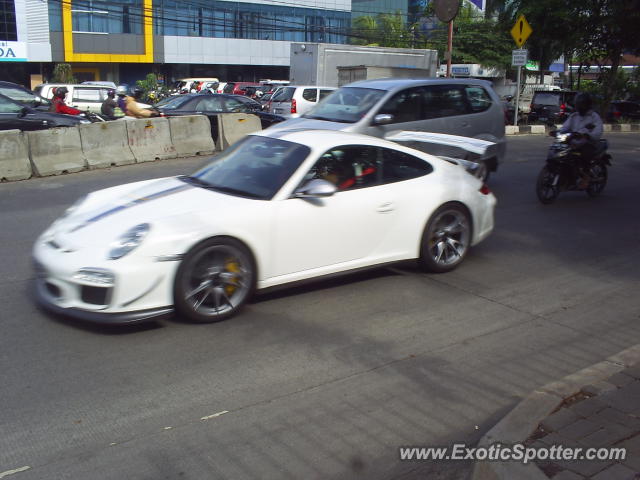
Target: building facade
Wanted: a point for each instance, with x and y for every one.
(123, 40)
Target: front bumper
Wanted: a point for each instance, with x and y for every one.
(117, 318)
(138, 288)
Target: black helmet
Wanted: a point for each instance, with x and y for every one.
(583, 103)
(61, 92)
(137, 92)
(111, 93)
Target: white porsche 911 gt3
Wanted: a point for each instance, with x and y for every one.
(277, 207)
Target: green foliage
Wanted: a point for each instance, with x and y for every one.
(62, 74)
(383, 30)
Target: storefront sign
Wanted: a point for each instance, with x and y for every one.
(13, 51)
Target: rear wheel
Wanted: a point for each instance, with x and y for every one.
(598, 179)
(214, 280)
(545, 189)
(446, 239)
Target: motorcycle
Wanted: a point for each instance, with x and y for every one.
(564, 170)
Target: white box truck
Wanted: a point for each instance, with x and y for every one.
(317, 63)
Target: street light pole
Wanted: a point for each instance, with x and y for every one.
(449, 48)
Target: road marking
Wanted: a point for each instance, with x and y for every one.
(215, 415)
(168, 428)
(11, 472)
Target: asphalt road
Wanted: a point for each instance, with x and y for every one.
(325, 381)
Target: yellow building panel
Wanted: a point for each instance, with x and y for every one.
(71, 56)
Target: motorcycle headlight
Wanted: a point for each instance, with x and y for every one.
(128, 241)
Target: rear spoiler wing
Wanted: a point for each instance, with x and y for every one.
(482, 148)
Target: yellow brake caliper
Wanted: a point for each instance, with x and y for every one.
(232, 266)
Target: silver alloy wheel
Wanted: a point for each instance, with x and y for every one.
(448, 238)
(217, 280)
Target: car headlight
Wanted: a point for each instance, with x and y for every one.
(128, 241)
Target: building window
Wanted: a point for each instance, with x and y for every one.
(100, 16)
(8, 30)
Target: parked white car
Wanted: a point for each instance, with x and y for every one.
(277, 207)
(83, 97)
(293, 100)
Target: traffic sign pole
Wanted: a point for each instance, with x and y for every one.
(515, 116)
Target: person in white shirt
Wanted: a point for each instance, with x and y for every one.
(585, 127)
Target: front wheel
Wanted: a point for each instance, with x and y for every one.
(446, 239)
(214, 280)
(545, 189)
(598, 179)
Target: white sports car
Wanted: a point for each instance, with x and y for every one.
(277, 207)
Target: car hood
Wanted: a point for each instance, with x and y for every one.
(56, 118)
(107, 214)
(311, 124)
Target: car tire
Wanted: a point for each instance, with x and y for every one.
(214, 280)
(446, 238)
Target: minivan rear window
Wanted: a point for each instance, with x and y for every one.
(285, 94)
(546, 99)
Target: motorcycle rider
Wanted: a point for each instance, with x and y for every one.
(121, 91)
(109, 105)
(58, 105)
(134, 110)
(585, 127)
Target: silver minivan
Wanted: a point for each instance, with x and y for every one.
(292, 101)
(465, 107)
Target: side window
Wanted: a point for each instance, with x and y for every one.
(9, 107)
(478, 98)
(210, 104)
(235, 106)
(348, 167)
(444, 101)
(324, 93)
(91, 95)
(310, 94)
(398, 166)
(405, 106)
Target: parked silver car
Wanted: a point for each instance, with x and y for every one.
(293, 101)
(465, 107)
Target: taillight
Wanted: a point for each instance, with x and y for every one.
(563, 107)
(617, 113)
(294, 108)
(485, 190)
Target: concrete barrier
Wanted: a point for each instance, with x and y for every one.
(538, 129)
(191, 135)
(606, 127)
(14, 156)
(511, 130)
(150, 139)
(56, 151)
(625, 127)
(234, 126)
(105, 144)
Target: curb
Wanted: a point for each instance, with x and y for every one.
(543, 129)
(523, 420)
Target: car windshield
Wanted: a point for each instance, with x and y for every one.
(173, 103)
(546, 99)
(346, 105)
(256, 167)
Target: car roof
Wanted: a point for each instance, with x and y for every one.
(393, 83)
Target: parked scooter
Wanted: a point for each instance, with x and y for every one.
(565, 169)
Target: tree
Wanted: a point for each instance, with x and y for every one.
(62, 74)
(149, 84)
(384, 30)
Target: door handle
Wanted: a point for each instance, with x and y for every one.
(386, 208)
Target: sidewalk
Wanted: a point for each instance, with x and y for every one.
(598, 407)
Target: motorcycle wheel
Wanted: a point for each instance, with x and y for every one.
(598, 174)
(546, 191)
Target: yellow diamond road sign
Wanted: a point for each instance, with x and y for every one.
(521, 31)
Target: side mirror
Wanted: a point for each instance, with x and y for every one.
(382, 119)
(316, 188)
(23, 112)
